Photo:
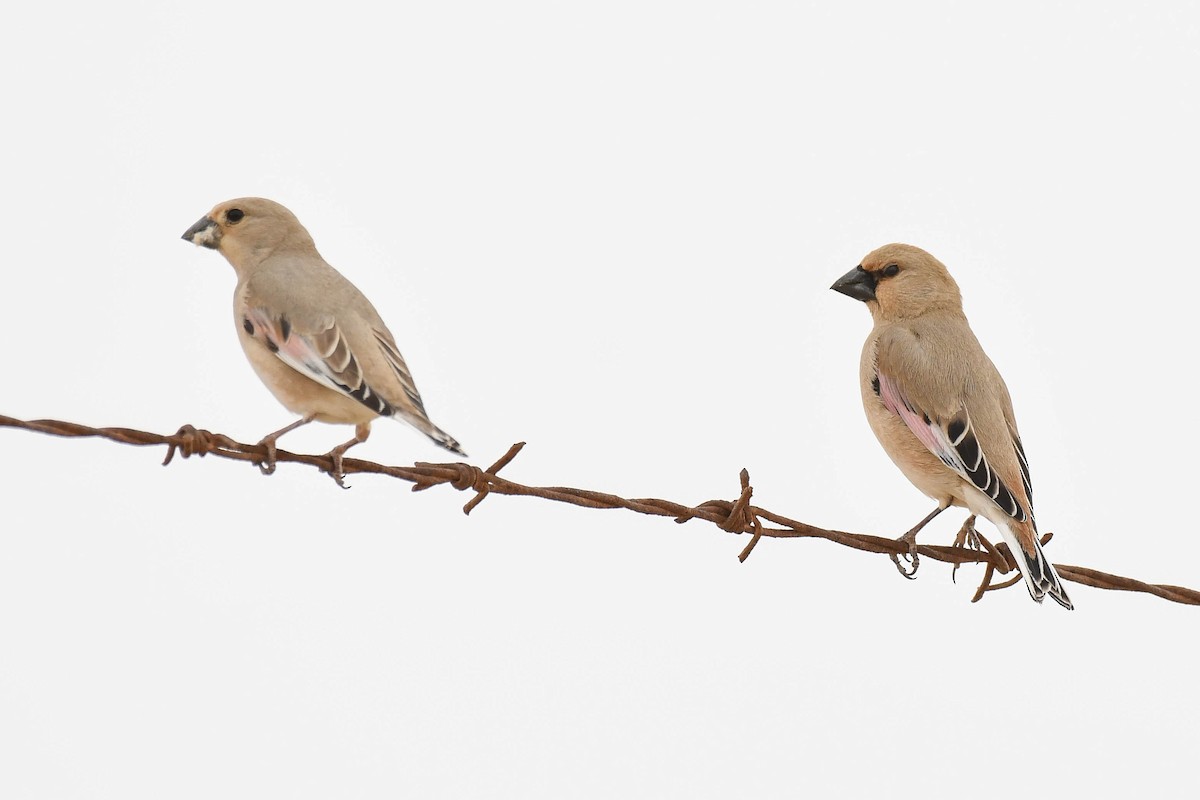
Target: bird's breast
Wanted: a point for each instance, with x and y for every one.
(922, 468)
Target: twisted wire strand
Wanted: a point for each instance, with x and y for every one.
(737, 516)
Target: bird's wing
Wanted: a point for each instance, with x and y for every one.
(394, 363)
(318, 348)
(923, 380)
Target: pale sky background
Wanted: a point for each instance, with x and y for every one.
(608, 230)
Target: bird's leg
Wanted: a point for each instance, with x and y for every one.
(268, 441)
(361, 432)
(910, 539)
(967, 537)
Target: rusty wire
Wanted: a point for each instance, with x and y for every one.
(737, 516)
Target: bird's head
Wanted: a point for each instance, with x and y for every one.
(899, 281)
(247, 230)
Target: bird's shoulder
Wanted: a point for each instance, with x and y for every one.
(311, 293)
(929, 359)
(938, 364)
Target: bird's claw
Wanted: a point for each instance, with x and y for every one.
(361, 432)
(910, 539)
(910, 557)
(967, 537)
(339, 477)
(267, 465)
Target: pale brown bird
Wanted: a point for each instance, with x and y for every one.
(939, 407)
(312, 337)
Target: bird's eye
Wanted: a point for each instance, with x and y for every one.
(234, 215)
(891, 270)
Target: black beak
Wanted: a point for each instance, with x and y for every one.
(857, 283)
(204, 233)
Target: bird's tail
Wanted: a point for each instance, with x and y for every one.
(1041, 578)
(439, 436)
(443, 439)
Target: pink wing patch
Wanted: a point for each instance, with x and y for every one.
(929, 434)
(296, 351)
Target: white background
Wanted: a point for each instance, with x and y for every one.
(608, 231)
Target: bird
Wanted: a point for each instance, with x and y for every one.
(311, 336)
(939, 406)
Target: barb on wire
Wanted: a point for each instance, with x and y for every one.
(738, 516)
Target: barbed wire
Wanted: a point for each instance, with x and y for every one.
(736, 516)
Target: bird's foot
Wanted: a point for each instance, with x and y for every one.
(361, 432)
(910, 539)
(910, 557)
(967, 537)
(267, 465)
(335, 456)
